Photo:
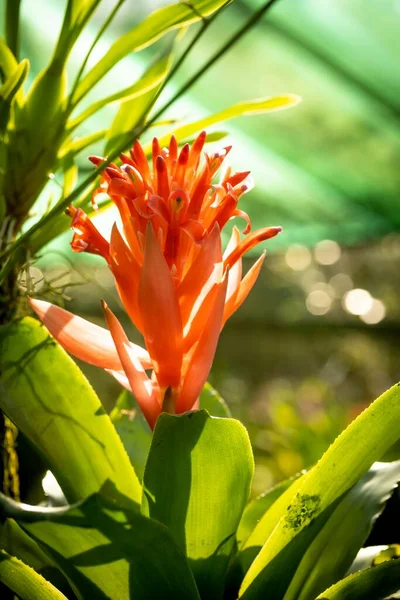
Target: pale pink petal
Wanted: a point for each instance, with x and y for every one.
(235, 273)
(82, 339)
(121, 378)
(140, 383)
(245, 287)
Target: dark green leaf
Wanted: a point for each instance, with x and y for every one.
(107, 550)
(375, 583)
(133, 430)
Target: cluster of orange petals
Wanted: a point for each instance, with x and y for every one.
(175, 282)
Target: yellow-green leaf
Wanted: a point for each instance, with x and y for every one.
(252, 107)
(146, 33)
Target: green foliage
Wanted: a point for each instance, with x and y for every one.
(315, 496)
(375, 583)
(108, 550)
(24, 581)
(197, 482)
(60, 413)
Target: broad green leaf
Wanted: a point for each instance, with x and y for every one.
(319, 492)
(146, 33)
(18, 543)
(375, 583)
(197, 482)
(256, 509)
(133, 111)
(133, 430)
(24, 581)
(107, 550)
(212, 402)
(252, 107)
(46, 395)
(151, 78)
(333, 550)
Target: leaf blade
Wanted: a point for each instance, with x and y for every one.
(88, 449)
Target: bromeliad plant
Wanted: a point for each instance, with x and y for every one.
(157, 493)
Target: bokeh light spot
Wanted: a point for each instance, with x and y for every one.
(327, 252)
(318, 302)
(358, 302)
(376, 313)
(298, 257)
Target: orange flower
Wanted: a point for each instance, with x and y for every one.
(171, 275)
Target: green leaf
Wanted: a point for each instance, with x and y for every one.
(77, 13)
(18, 543)
(8, 62)
(46, 395)
(133, 111)
(108, 550)
(308, 504)
(12, 25)
(73, 147)
(256, 509)
(150, 79)
(333, 550)
(197, 482)
(366, 556)
(146, 33)
(9, 90)
(24, 581)
(252, 107)
(375, 583)
(133, 430)
(212, 402)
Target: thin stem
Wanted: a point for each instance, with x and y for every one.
(102, 29)
(62, 205)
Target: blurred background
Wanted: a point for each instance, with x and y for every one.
(317, 340)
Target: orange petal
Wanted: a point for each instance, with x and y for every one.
(126, 271)
(245, 286)
(199, 273)
(249, 242)
(160, 313)
(82, 339)
(139, 381)
(203, 355)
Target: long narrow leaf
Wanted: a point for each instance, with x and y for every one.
(252, 107)
(345, 462)
(146, 33)
(24, 581)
